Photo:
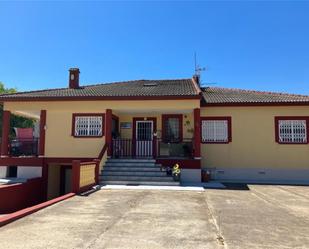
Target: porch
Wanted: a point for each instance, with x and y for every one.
(171, 134)
(26, 140)
(153, 148)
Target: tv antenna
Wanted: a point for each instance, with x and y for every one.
(198, 70)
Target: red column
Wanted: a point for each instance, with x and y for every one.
(5, 133)
(197, 133)
(42, 133)
(75, 176)
(108, 131)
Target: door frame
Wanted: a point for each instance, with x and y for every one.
(63, 169)
(154, 147)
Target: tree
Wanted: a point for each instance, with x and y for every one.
(16, 121)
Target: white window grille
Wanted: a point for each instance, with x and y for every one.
(215, 131)
(292, 131)
(88, 126)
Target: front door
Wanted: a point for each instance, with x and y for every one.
(144, 138)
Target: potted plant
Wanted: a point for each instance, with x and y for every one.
(206, 175)
(176, 173)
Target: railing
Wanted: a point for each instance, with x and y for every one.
(129, 148)
(84, 175)
(24, 147)
(122, 148)
(175, 149)
(102, 152)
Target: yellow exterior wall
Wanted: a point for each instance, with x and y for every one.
(53, 188)
(60, 143)
(87, 175)
(102, 162)
(253, 140)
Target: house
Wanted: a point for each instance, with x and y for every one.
(134, 128)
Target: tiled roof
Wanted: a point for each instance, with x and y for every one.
(216, 95)
(138, 88)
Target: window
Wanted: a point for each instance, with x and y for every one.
(88, 125)
(172, 128)
(216, 129)
(291, 130)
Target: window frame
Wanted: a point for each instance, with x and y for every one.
(75, 115)
(221, 118)
(292, 118)
(165, 117)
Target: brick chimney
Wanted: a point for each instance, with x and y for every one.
(74, 78)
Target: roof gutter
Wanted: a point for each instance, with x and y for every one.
(241, 104)
(94, 98)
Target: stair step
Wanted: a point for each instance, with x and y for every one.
(132, 173)
(130, 168)
(137, 178)
(149, 183)
(145, 171)
(132, 160)
(141, 164)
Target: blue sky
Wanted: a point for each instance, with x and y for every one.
(252, 45)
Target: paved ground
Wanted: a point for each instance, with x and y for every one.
(262, 217)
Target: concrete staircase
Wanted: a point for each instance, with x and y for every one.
(134, 172)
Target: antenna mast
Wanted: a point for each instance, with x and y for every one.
(198, 70)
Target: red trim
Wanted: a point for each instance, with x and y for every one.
(24, 212)
(116, 118)
(5, 133)
(134, 132)
(21, 195)
(256, 104)
(108, 131)
(86, 115)
(42, 133)
(277, 118)
(22, 161)
(76, 167)
(38, 162)
(183, 163)
(102, 151)
(229, 125)
(97, 171)
(165, 117)
(94, 98)
(197, 132)
(45, 178)
(67, 160)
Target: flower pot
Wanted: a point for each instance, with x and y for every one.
(206, 176)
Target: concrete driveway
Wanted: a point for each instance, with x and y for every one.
(262, 217)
